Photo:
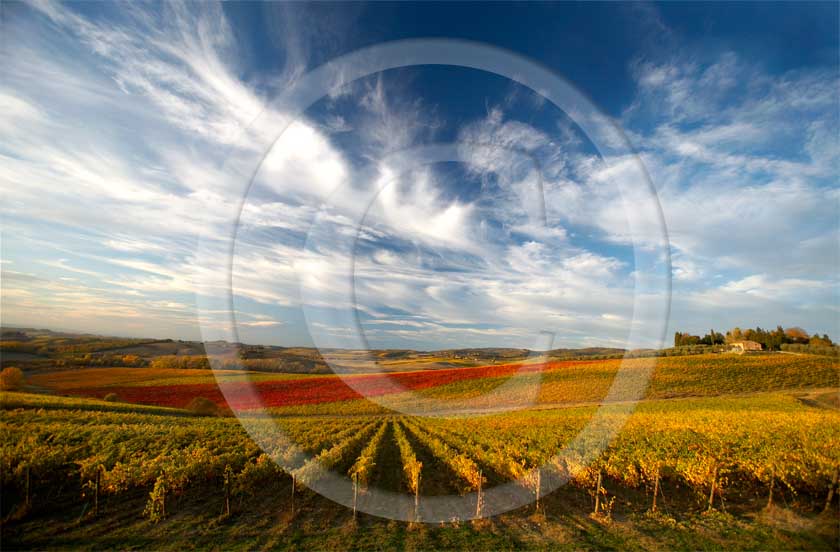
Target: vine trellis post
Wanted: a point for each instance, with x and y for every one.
(28, 487)
(417, 500)
(163, 495)
(294, 483)
(831, 491)
(96, 484)
(712, 492)
(478, 496)
(227, 490)
(772, 483)
(655, 489)
(598, 493)
(355, 493)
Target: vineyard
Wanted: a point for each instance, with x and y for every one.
(720, 442)
(560, 382)
(678, 459)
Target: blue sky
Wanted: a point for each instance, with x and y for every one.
(131, 132)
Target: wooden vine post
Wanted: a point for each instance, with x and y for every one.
(28, 487)
(770, 494)
(712, 492)
(294, 483)
(417, 500)
(478, 496)
(227, 490)
(537, 486)
(355, 493)
(830, 495)
(96, 482)
(163, 495)
(598, 494)
(655, 489)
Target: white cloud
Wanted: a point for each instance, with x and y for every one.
(122, 137)
(260, 323)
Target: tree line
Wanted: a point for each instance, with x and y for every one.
(771, 340)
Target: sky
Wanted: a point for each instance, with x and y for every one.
(159, 178)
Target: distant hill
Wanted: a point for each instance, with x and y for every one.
(46, 349)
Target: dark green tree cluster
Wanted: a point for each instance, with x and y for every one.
(686, 339)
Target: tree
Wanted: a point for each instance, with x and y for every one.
(11, 378)
(132, 360)
(734, 334)
(778, 338)
(685, 339)
(712, 338)
(797, 335)
(818, 341)
(203, 407)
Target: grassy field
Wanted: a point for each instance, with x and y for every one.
(759, 434)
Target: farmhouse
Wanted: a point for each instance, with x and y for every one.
(744, 346)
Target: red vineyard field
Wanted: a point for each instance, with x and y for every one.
(246, 396)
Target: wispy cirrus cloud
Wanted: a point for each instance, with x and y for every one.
(123, 138)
